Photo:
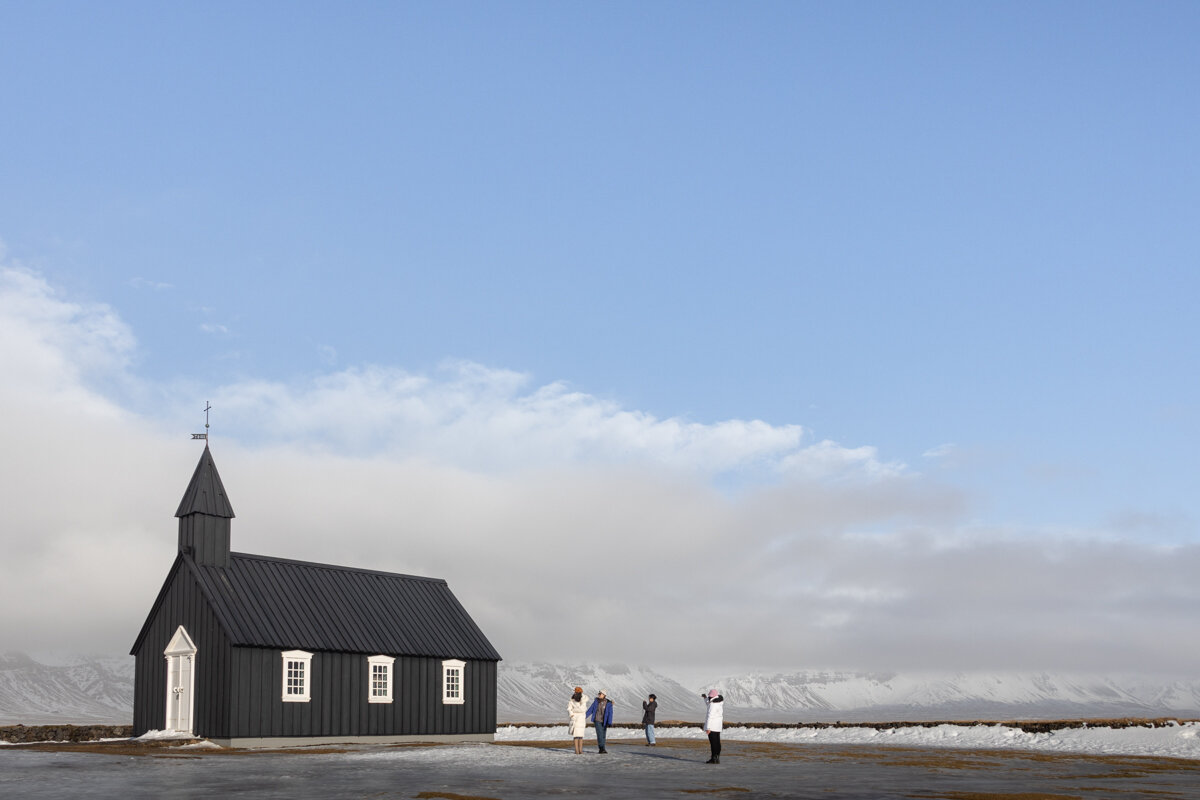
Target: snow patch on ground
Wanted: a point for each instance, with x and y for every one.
(159, 736)
(1177, 740)
(204, 745)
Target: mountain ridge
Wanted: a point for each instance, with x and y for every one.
(533, 692)
(99, 690)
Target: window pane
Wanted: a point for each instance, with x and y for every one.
(379, 680)
(295, 677)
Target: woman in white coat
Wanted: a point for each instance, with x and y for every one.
(713, 723)
(577, 717)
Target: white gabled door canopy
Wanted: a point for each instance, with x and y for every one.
(181, 644)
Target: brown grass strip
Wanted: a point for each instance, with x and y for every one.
(715, 791)
(999, 796)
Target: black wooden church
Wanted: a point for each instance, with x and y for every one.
(252, 651)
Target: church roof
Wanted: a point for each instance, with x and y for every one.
(205, 494)
(279, 603)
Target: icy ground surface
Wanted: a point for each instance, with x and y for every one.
(1175, 741)
(674, 769)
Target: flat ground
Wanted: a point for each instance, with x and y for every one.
(507, 771)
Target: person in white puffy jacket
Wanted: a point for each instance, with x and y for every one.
(577, 717)
(713, 719)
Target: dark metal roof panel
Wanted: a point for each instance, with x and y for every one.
(205, 493)
(274, 602)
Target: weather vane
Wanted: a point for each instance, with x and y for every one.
(207, 408)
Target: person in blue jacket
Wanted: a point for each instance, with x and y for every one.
(601, 712)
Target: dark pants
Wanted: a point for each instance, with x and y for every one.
(714, 743)
(601, 734)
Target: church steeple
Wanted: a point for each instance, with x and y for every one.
(204, 514)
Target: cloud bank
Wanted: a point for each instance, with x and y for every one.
(493, 420)
(572, 528)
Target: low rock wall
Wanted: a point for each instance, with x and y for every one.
(24, 734)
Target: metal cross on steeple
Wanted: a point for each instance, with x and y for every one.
(207, 408)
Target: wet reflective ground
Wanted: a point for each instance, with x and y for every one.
(551, 769)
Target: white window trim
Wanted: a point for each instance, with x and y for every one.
(379, 661)
(447, 667)
(306, 660)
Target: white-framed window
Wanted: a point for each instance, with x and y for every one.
(379, 679)
(297, 676)
(453, 671)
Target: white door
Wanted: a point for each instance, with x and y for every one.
(181, 682)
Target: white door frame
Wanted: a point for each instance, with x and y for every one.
(180, 656)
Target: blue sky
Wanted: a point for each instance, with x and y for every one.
(941, 256)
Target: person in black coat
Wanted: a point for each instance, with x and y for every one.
(648, 709)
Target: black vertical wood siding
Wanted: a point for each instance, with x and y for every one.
(339, 705)
(183, 604)
(207, 538)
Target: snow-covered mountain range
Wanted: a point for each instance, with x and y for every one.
(100, 690)
(857, 697)
(82, 690)
(537, 692)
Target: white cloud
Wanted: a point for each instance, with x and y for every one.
(571, 527)
(826, 459)
(941, 451)
(474, 416)
(53, 350)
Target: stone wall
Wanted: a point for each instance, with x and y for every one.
(24, 734)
